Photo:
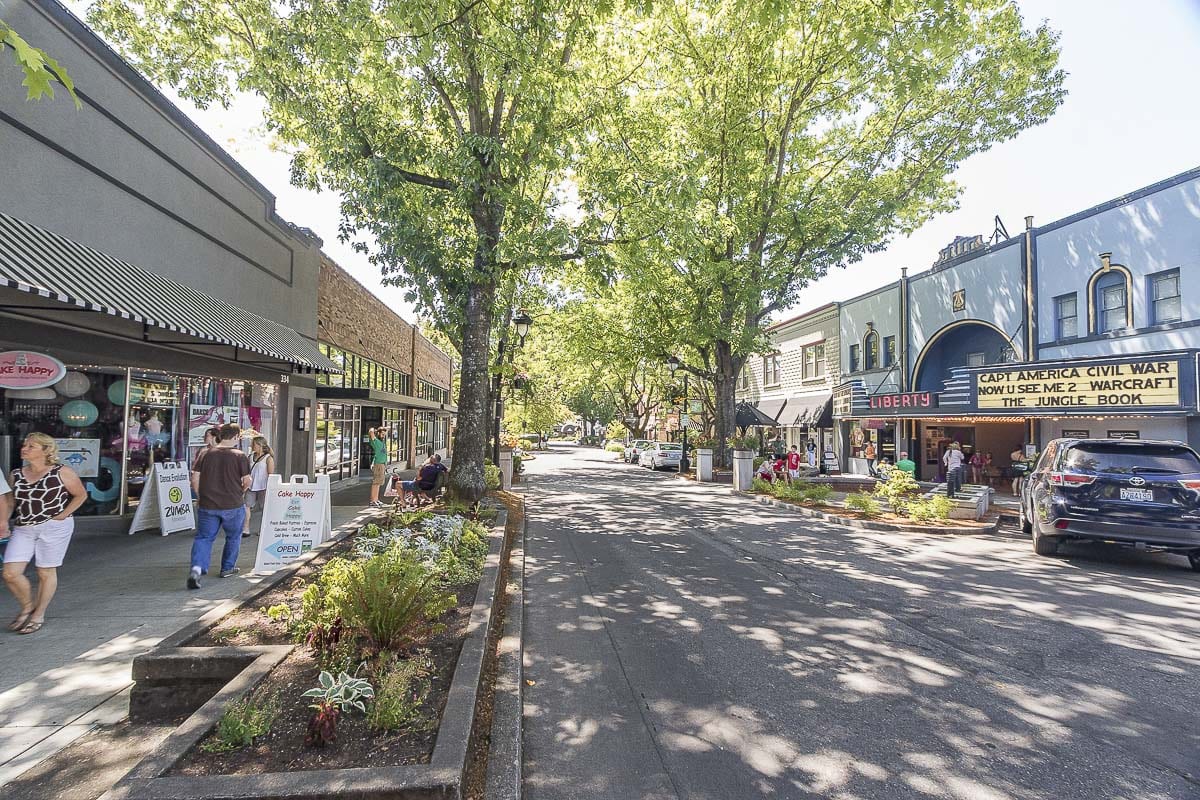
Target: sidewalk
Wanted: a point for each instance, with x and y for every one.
(118, 596)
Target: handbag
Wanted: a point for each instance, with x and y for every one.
(392, 486)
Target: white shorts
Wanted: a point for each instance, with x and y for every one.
(45, 543)
(793, 473)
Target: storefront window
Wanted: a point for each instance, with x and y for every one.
(337, 435)
(165, 421)
(396, 422)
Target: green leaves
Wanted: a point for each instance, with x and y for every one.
(40, 70)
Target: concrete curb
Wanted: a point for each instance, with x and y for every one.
(505, 753)
(443, 776)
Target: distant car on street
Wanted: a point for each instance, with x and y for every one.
(661, 454)
(633, 449)
(1131, 492)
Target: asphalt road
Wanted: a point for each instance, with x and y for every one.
(686, 643)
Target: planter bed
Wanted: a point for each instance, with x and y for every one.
(883, 522)
(245, 654)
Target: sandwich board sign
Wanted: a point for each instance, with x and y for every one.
(166, 500)
(296, 518)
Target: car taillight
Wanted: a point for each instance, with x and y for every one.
(1194, 485)
(1061, 524)
(1071, 479)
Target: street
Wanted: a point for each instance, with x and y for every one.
(682, 642)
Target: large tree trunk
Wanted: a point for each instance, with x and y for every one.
(724, 385)
(474, 393)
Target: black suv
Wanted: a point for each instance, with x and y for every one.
(1131, 492)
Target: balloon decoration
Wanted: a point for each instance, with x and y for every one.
(73, 384)
(116, 393)
(78, 413)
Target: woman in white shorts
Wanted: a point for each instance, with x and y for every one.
(45, 494)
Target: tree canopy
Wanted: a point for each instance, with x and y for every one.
(767, 143)
(444, 125)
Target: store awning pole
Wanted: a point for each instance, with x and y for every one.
(123, 503)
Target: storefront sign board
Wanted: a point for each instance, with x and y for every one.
(166, 500)
(830, 463)
(1119, 385)
(24, 369)
(903, 400)
(296, 519)
(81, 455)
(843, 402)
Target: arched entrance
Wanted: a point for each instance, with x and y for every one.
(959, 344)
(968, 343)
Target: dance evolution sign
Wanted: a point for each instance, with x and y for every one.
(1111, 386)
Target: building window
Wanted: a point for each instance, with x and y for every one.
(976, 359)
(871, 349)
(889, 350)
(771, 370)
(854, 358)
(745, 378)
(1164, 298)
(814, 361)
(1066, 316)
(1110, 300)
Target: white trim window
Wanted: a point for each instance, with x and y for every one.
(1165, 297)
(771, 370)
(814, 361)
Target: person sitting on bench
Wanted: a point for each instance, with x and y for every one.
(426, 480)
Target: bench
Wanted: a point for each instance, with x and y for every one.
(427, 496)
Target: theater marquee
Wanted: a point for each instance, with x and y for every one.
(1111, 386)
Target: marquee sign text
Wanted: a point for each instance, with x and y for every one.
(1124, 385)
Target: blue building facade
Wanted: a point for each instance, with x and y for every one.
(1086, 326)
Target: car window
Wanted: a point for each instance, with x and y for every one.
(1130, 459)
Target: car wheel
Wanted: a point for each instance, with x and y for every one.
(1026, 525)
(1044, 545)
(1194, 560)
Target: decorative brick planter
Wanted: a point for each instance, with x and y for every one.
(240, 669)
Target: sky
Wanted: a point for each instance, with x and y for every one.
(1131, 118)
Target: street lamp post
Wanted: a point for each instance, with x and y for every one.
(684, 419)
(521, 323)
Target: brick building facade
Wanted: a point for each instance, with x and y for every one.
(392, 377)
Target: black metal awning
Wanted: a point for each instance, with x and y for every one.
(375, 397)
(41, 263)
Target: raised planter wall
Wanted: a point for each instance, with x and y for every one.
(169, 666)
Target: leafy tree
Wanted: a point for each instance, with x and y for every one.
(769, 142)
(41, 71)
(442, 123)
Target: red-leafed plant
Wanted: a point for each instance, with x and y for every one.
(322, 728)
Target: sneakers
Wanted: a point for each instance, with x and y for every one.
(375, 504)
(229, 573)
(193, 581)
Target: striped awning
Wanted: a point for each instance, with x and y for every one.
(42, 263)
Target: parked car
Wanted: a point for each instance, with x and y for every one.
(633, 449)
(661, 454)
(1130, 492)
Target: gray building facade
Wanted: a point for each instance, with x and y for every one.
(140, 257)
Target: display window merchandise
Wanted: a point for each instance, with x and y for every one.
(112, 424)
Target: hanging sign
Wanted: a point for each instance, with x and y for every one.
(1124, 385)
(166, 500)
(297, 518)
(23, 369)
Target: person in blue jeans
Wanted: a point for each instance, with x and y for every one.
(220, 480)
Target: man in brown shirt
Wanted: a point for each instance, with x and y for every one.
(220, 480)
